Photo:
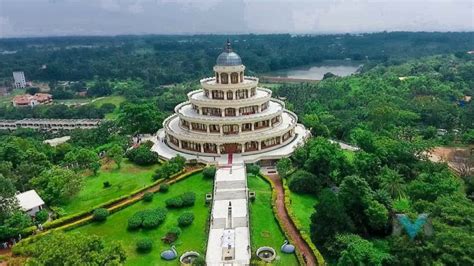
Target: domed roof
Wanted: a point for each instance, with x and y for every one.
(228, 57)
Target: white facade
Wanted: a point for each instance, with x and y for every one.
(30, 202)
(230, 114)
(19, 79)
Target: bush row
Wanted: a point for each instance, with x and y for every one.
(275, 211)
(184, 200)
(147, 219)
(63, 223)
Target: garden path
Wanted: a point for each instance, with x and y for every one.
(288, 224)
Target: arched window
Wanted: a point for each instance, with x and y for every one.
(224, 78)
(230, 95)
(234, 77)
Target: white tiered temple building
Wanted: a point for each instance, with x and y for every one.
(230, 121)
(231, 114)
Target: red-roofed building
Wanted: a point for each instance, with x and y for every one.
(32, 100)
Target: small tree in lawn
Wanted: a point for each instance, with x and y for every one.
(253, 169)
(209, 172)
(116, 153)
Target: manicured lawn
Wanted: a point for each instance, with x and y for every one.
(7, 99)
(193, 237)
(264, 228)
(126, 180)
(303, 206)
(116, 100)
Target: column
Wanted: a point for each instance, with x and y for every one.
(240, 128)
(243, 147)
(202, 147)
(221, 129)
(180, 144)
(200, 110)
(259, 108)
(237, 112)
(253, 126)
(222, 112)
(218, 148)
(225, 95)
(208, 128)
(259, 145)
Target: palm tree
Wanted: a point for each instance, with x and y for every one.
(392, 182)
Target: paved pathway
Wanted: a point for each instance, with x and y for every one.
(289, 226)
(229, 236)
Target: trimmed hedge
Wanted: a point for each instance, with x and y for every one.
(184, 200)
(186, 219)
(100, 214)
(147, 219)
(164, 188)
(209, 172)
(144, 245)
(147, 197)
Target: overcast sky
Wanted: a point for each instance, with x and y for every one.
(112, 17)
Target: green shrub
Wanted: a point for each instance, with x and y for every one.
(107, 184)
(142, 155)
(209, 172)
(147, 219)
(253, 169)
(41, 217)
(188, 198)
(144, 245)
(136, 220)
(164, 187)
(175, 202)
(184, 200)
(172, 235)
(199, 261)
(185, 219)
(305, 182)
(100, 214)
(147, 197)
(175, 230)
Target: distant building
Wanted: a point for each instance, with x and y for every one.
(50, 124)
(32, 100)
(19, 79)
(30, 202)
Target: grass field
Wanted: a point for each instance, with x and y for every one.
(128, 179)
(7, 99)
(116, 100)
(193, 237)
(264, 227)
(303, 207)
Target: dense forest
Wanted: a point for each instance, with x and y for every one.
(170, 59)
(393, 114)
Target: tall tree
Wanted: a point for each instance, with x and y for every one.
(116, 153)
(56, 185)
(70, 249)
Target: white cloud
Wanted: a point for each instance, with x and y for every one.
(110, 5)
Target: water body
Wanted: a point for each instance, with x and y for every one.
(317, 71)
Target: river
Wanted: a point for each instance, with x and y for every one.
(317, 71)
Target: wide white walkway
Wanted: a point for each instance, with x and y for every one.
(229, 236)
